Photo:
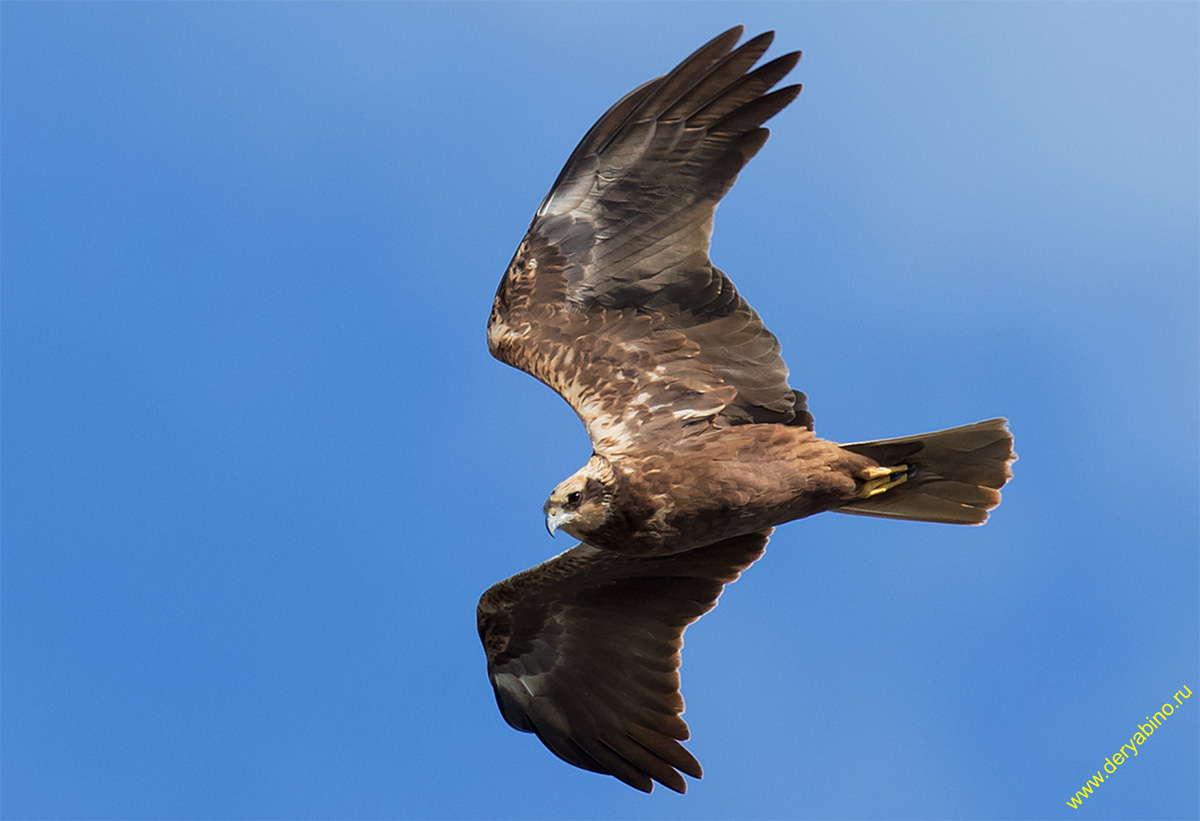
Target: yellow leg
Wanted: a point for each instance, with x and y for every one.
(881, 479)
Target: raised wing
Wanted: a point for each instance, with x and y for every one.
(611, 298)
(583, 650)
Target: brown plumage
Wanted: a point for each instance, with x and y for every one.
(700, 445)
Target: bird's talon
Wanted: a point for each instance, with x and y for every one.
(881, 479)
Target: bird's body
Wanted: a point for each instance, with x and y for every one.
(703, 489)
(700, 446)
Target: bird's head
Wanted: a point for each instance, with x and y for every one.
(580, 504)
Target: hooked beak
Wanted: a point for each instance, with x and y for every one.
(554, 519)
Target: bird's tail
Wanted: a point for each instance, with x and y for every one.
(951, 476)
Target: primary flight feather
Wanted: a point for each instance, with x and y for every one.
(700, 446)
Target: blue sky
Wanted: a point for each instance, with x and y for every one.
(258, 465)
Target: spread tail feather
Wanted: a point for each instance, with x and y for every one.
(953, 475)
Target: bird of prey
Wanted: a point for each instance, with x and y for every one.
(700, 446)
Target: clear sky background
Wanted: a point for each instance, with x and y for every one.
(258, 465)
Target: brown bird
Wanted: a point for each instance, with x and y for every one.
(700, 447)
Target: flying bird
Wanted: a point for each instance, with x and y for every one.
(700, 446)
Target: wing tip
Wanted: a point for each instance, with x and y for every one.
(735, 31)
(723, 43)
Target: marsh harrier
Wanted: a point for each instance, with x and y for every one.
(700, 446)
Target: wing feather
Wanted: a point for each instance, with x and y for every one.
(584, 651)
(611, 298)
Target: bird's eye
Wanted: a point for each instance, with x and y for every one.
(574, 498)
